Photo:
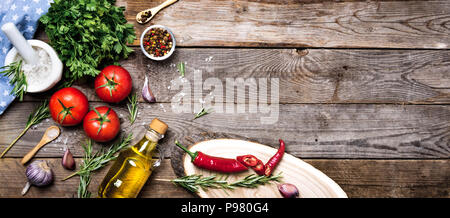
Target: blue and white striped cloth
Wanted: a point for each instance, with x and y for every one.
(25, 14)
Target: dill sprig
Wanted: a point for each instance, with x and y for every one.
(133, 107)
(193, 183)
(40, 113)
(18, 79)
(201, 113)
(181, 68)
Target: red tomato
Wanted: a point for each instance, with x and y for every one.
(113, 84)
(68, 106)
(101, 124)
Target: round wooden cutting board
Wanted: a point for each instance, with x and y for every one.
(311, 182)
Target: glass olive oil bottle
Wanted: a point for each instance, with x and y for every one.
(133, 166)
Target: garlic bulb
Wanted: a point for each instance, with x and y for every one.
(39, 174)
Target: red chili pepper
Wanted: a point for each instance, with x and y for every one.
(259, 168)
(208, 162)
(248, 160)
(275, 159)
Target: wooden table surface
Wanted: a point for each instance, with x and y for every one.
(364, 92)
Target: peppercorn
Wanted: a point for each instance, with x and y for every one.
(158, 42)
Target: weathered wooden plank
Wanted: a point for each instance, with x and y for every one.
(310, 130)
(358, 178)
(397, 24)
(315, 23)
(305, 76)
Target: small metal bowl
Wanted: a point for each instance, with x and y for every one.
(165, 56)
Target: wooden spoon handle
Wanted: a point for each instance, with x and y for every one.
(166, 3)
(33, 151)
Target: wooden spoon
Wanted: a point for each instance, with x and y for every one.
(50, 134)
(146, 15)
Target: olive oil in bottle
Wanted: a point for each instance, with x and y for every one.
(133, 166)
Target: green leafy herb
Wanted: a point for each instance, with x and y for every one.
(201, 113)
(181, 68)
(95, 161)
(40, 113)
(87, 34)
(18, 79)
(193, 183)
(133, 107)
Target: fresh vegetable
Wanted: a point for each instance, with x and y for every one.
(288, 190)
(39, 114)
(259, 168)
(275, 159)
(39, 174)
(248, 160)
(147, 94)
(218, 164)
(68, 106)
(201, 113)
(133, 107)
(192, 183)
(87, 34)
(17, 78)
(101, 124)
(113, 84)
(67, 161)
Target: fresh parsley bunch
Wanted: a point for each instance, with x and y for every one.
(87, 34)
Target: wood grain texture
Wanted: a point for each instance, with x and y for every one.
(313, 23)
(358, 178)
(374, 24)
(305, 76)
(310, 130)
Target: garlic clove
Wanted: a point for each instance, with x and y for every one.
(68, 161)
(147, 94)
(288, 190)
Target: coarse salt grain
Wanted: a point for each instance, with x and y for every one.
(36, 74)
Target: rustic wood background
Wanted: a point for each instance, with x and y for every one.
(364, 92)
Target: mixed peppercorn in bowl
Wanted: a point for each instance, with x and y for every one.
(157, 42)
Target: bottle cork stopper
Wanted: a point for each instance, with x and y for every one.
(159, 126)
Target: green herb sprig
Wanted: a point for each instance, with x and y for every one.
(201, 113)
(94, 161)
(40, 113)
(87, 35)
(181, 68)
(133, 107)
(18, 78)
(193, 183)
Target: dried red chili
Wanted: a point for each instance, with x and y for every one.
(275, 159)
(157, 42)
(208, 162)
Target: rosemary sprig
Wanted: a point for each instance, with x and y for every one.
(18, 78)
(181, 68)
(201, 113)
(40, 113)
(193, 183)
(133, 107)
(94, 161)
